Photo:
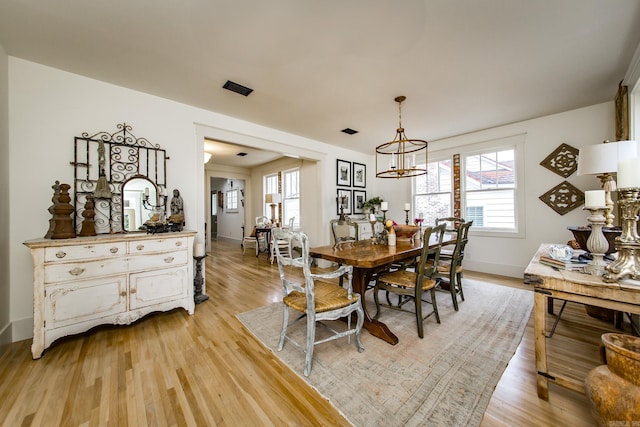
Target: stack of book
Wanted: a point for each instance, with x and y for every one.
(571, 264)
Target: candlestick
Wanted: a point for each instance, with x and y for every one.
(384, 206)
(199, 249)
(198, 281)
(628, 243)
(407, 206)
(597, 244)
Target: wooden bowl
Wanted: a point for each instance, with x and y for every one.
(582, 233)
(405, 231)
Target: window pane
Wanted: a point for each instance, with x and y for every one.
(506, 165)
(433, 206)
(498, 207)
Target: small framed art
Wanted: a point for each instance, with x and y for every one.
(343, 173)
(344, 198)
(359, 197)
(359, 175)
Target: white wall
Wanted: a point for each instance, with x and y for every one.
(5, 185)
(49, 107)
(585, 126)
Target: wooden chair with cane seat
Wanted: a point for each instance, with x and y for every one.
(284, 245)
(316, 297)
(449, 271)
(410, 286)
(450, 234)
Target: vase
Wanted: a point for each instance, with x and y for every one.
(614, 389)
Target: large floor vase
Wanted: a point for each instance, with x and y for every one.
(614, 389)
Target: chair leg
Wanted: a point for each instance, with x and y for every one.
(359, 323)
(285, 322)
(459, 279)
(311, 338)
(418, 307)
(434, 302)
(452, 288)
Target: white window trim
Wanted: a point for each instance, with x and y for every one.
(498, 144)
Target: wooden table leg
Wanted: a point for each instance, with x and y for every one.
(542, 378)
(375, 327)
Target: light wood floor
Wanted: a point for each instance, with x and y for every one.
(175, 369)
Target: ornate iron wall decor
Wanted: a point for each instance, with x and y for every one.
(563, 160)
(113, 159)
(563, 198)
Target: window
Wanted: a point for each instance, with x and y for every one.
(291, 196)
(432, 192)
(489, 188)
(270, 187)
(232, 201)
(491, 191)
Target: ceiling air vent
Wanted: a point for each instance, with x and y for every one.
(349, 131)
(237, 88)
(241, 154)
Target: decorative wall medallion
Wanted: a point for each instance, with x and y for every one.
(563, 160)
(563, 198)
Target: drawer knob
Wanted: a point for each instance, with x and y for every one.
(61, 254)
(123, 294)
(178, 243)
(114, 250)
(133, 290)
(168, 259)
(140, 247)
(76, 271)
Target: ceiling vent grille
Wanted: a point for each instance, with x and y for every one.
(237, 88)
(241, 154)
(349, 131)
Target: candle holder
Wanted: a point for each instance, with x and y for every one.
(406, 216)
(627, 265)
(198, 281)
(384, 215)
(597, 243)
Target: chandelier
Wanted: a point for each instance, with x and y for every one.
(400, 158)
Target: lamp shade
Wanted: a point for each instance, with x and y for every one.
(273, 198)
(604, 158)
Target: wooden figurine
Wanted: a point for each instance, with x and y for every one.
(63, 210)
(54, 199)
(88, 224)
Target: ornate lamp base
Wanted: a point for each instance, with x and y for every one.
(198, 281)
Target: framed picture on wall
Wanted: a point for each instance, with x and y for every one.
(359, 175)
(343, 173)
(359, 197)
(344, 198)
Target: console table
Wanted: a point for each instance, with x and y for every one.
(107, 279)
(574, 286)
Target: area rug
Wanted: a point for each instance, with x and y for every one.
(445, 379)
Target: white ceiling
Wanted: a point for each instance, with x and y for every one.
(317, 67)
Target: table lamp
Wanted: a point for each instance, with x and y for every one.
(273, 199)
(602, 160)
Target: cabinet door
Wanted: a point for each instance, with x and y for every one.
(84, 300)
(158, 286)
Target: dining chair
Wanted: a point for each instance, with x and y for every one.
(316, 297)
(410, 286)
(255, 239)
(289, 226)
(450, 234)
(449, 268)
(284, 245)
(345, 230)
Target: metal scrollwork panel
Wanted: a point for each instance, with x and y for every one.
(103, 163)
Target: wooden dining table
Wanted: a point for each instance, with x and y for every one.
(367, 259)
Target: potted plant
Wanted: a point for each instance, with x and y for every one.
(372, 203)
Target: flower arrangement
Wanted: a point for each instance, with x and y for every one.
(389, 226)
(418, 222)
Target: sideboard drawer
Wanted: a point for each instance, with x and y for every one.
(155, 245)
(63, 272)
(157, 260)
(89, 251)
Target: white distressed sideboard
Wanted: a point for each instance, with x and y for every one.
(107, 279)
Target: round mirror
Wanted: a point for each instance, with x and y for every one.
(139, 201)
